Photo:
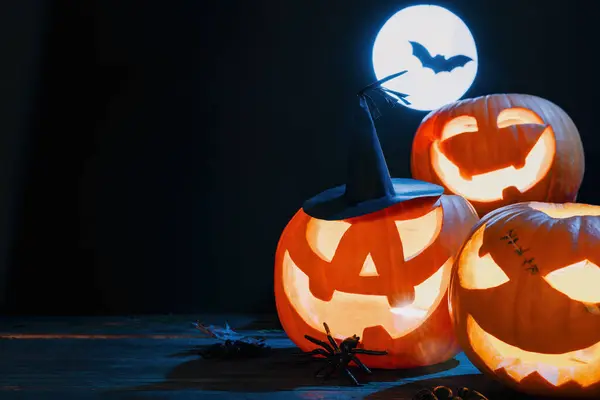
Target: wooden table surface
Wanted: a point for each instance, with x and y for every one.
(156, 357)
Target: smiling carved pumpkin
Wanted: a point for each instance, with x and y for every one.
(382, 276)
(524, 298)
(500, 149)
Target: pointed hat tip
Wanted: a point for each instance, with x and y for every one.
(369, 187)
(368, 175)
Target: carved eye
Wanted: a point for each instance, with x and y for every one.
(517, 116)
(324, 236)
(417, 234)
(579, 281)
(458, 125)
(479, 272)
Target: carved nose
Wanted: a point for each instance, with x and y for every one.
(368, 268)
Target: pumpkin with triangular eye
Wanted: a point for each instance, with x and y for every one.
(525, 296)
(500, 149)
(373, 258)
(383, 276)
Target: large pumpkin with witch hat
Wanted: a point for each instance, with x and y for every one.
(500, 149)
(373, 258)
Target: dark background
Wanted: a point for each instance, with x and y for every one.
(151, 152)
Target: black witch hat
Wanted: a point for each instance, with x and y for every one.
(369, 187)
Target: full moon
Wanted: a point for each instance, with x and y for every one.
(442, 35)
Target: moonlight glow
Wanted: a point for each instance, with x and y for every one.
(441, 33)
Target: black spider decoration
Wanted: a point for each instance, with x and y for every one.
(232, 344)
(235, 349)
(339, 357)
(445, 393)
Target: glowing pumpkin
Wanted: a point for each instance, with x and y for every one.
(524, 298)
(500, 149)
(383, 276)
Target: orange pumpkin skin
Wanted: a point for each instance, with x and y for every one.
(524, 297)
(474, 138)
(374, 245)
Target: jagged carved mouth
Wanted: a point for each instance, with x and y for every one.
(351, 313)
(581, 366)
(489, 186)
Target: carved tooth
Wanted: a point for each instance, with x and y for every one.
(549, 373)
(520, 164)
(321, 291)
(522, 370)
(465, 175)
(403, 299)
(506, 362)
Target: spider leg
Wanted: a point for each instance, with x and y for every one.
(352, 378)
(319, 343)
(329, 337)
(320, 352)
(360, 364)
(325, 371)
(370, 352)
(332, 341)
(331, 371)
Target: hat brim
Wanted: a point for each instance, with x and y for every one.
(332, 204)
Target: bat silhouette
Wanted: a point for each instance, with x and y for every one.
(439, 63)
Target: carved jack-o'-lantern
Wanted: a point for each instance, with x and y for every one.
(500, 149)
(382, 276)
(373, 258)
(524, 297)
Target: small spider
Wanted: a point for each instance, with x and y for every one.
(338, 357)
(445, 393)
(235, 349)
(231, 344)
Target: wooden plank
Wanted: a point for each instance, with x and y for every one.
(157, 357)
